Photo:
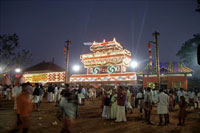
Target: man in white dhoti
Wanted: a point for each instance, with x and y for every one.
(140, 98)
(50, 93)
(36, 96)
(162, 108)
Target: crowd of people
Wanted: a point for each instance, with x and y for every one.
(116, 103)
(27, 98)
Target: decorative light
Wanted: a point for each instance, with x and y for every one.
(76, 68)
(134, 64)
(104, 40)
(114, 39)
(94, 42)
(17, 70)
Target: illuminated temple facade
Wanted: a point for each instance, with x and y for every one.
(108, 62)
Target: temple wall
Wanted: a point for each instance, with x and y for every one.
(170, 80)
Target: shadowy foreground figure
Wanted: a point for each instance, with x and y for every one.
(24, 109)
(69, 107)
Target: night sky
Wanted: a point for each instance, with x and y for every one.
(43, 26)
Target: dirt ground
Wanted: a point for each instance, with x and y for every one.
(90, 121)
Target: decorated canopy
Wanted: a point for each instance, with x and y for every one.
(167, 68)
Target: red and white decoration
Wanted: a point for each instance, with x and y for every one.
(150, 55)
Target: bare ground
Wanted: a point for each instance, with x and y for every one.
(90, 121)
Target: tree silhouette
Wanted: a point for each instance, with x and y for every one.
(188, 55)
(11, 56)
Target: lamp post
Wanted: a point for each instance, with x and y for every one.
(67, 60)
(156, 34)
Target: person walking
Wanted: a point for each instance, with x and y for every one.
(68, 107)
(24, 109)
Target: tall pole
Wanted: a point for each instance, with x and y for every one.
(156, 34)
(67, 61)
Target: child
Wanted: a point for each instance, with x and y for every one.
(182, 111)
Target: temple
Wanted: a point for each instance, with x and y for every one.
(108, 62)
(172, 75)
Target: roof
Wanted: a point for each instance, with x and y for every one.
(167, 68)
(44, 67)
(106, 46)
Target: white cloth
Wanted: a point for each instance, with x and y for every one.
(8, 94)
(128, 105)
(50, 97)
(90, 93)
(121, 116)
(113, 111)
(148, 97)
(17, 90)
(140, 97)
(36, 99)
(155, 96)
(163, 103)
(41, 97)
(191, 94)
(80, 97)
(106, 112)
(128, 102)
(181, 93)
(94, 93)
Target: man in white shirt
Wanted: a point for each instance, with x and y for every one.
(162, 108)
